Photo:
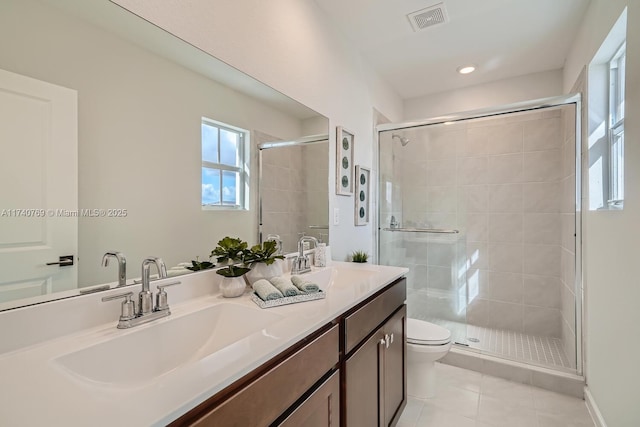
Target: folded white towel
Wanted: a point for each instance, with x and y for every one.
(304, 285)
(266, 290)
(285, 286)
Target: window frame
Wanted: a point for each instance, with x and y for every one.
(615, 128)
(242, 156)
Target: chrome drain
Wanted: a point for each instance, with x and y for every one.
(473, 339)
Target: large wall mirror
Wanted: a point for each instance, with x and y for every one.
(123, 169)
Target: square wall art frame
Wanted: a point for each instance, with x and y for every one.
(344, 161)
(363, 192)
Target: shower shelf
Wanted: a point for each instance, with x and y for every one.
(423, 230)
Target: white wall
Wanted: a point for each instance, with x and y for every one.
(502, 92)
(291, 46)
(612, 288)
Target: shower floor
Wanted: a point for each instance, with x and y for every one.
(545, 351)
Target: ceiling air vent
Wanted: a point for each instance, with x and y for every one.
(429, 17)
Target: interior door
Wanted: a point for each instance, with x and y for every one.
(38, 186)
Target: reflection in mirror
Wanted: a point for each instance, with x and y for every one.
(294, 185)
(142, 95)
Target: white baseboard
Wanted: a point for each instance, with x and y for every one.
(595, 413)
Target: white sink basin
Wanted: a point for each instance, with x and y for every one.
(143, 355)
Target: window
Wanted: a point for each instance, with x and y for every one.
(605, 87)
(225, 168)
(616, 128)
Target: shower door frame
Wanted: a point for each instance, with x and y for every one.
(536, 104)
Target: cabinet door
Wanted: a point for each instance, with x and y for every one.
(321, 409)
(395, 388)
(362, 388)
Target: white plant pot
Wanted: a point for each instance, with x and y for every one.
(264, 271)
(232, 287)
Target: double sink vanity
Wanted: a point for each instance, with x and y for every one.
(214, 361)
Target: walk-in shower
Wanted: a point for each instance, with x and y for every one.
(482, 209)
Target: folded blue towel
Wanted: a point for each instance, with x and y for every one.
(266, 290)
(285, 286)
(304, 285)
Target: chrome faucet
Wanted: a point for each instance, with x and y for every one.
(146, 312)
(122, 265)
(301, 263)
(145, 297)
(276, 238)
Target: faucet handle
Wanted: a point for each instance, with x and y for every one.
(128, 306)
(161, 296)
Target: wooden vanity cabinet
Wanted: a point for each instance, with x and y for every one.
(350, 372)
(374, 371)
(263, 396)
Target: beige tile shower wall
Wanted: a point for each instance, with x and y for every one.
(316, 173)
(509, 171)
(500, 181)
(283, 184)
(568, 257)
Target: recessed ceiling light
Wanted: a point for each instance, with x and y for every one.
(466, 69)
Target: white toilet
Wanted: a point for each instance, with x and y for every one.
(426, 343)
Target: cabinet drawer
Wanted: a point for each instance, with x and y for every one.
(262, 401)
(365, 320)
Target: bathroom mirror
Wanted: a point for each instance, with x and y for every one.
(294, 198)
(142, 95)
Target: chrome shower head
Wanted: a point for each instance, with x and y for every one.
(404, 141)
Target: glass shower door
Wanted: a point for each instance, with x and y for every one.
(419, 229)
(508, 283)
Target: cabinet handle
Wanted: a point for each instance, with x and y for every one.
(391, 339)
(387, 340)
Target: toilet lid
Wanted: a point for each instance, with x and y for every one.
(421, 332)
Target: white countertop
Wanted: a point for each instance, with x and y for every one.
(35, 390)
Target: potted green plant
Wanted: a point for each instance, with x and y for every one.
(359, 256)
(231, 251)
(198, 265)
(262, 260)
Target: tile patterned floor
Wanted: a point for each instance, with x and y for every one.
(470, 399)
(545, 351)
